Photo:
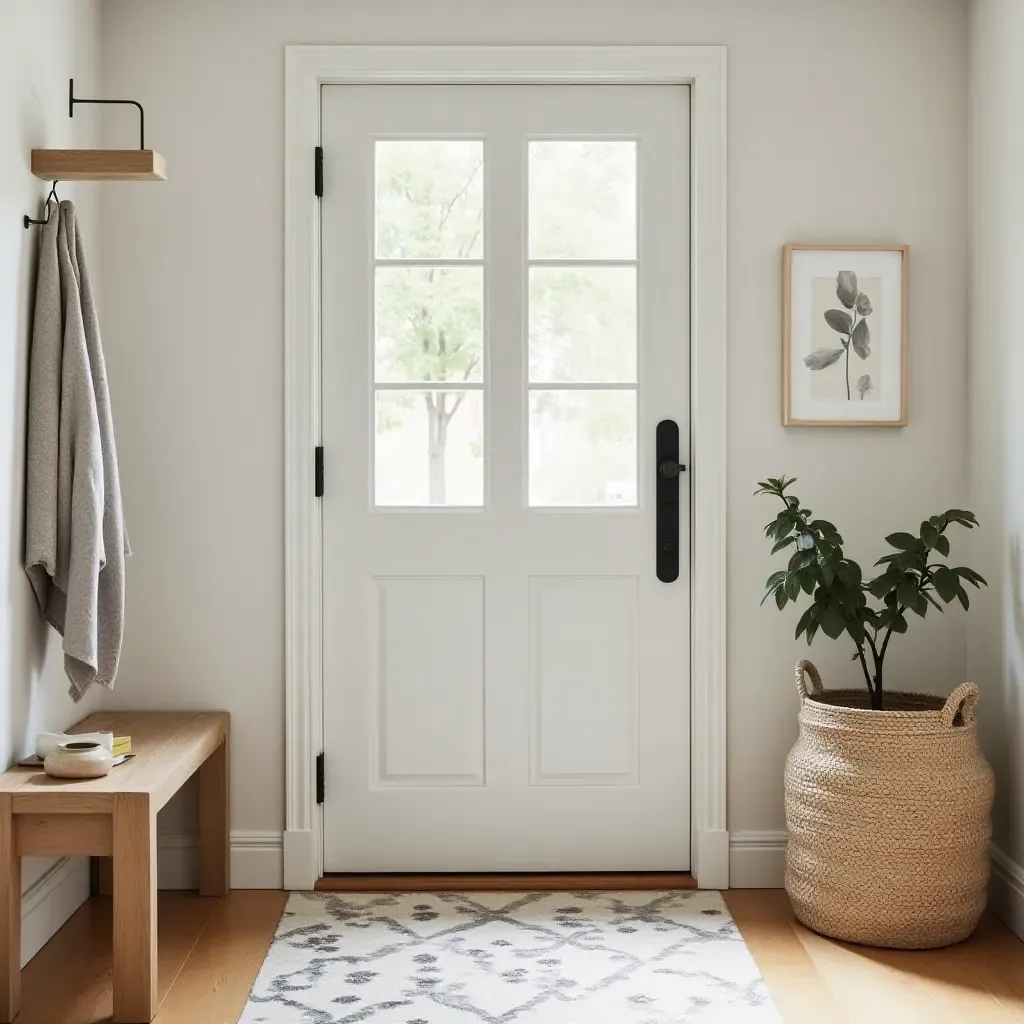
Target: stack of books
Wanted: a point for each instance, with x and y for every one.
(122, 745)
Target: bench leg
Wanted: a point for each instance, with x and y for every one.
(135, 951)
(10, 915)
(214, 840)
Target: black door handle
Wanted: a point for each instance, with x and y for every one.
(666, 458)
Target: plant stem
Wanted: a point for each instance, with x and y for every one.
(849, 345)
(867, 674)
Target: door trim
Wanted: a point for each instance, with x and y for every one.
(702, 68)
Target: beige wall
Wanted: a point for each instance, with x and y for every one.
(42, 45)
(847, 122)
(996, 636)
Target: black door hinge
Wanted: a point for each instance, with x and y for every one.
(319, 778)
(318, 172)
(318, 472)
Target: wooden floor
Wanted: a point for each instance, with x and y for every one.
(813, 979)
(211, 949)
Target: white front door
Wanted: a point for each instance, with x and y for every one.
(505, 322)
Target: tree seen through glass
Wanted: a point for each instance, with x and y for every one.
(582, 322)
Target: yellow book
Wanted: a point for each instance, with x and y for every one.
(122, 745)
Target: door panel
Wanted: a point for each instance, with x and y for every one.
(505, 322)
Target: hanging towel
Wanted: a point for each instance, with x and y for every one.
(75, 542)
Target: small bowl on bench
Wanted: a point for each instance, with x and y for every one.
(78, 759)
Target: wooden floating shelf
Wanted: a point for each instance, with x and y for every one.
(98, 165)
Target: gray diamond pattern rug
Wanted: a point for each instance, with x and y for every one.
(508, 958)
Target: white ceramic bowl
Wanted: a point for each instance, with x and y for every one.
(78, 759)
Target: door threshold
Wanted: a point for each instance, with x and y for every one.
(620, 881)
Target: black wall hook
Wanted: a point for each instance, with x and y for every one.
(28, 221)
(72, 100)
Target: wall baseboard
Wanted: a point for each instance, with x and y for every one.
(1006, 891)
(757, 860)
(256, 860)
(50, 901)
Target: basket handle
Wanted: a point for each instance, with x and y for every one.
(805, 670)
(962, 701)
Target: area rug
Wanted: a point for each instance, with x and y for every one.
(508, 958)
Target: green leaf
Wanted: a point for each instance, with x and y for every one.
(964, 599)
(780, 544)
(864, 306)
(827, 574)
(849, 572)
(946, 583)
(942, 545)
(833, 624)
(899, 624)
(907, 594)
(839, 321)
(856, 629)
(932, 601)
(805, 620)
(846, 288)
(781, 598)
(861, 339)
(881, 586)
(908, 560)
(961, 516)
(903, 541)
(920, 605)
(929, 535)
(821, 358)
(970, 575)
(807, 580)
(802, 559)
(792, 586)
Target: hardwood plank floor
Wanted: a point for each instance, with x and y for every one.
(209, 952)
(212, 948)
(812, 978)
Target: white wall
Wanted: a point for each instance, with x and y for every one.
(996, 636)
(42, 45)
(847, 122)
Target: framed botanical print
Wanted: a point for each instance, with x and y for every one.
(844, 335)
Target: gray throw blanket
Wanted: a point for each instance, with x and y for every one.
(75, 542)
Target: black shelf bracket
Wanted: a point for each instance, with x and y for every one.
(72, 100)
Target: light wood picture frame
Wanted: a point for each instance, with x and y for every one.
(845, 314)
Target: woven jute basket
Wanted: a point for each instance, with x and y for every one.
(888, 815)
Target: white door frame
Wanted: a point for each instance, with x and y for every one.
(307, 68)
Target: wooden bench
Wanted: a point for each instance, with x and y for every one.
(116, 817)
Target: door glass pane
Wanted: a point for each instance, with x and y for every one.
(583, 448)
(430, 199)
(429, 448)
(582, 200)
(429, 324)
(583, 324)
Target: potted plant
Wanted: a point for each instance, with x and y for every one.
(888, 796)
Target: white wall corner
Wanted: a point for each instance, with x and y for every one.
(50, 901)
(300, 859)
(1006, 891)
(757, 860)
(256, 860)
(711, 863)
